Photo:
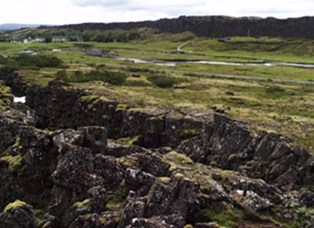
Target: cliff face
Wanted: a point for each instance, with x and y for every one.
(218, 26)
(103, 163)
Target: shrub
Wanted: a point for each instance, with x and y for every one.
(48, 39)
(61, 74)
(83, 45)
(164, 81)
(7, 69)
(112, 77)
(275, 89)
(3, 60)
(137, 83)
(25, 60)
(275, 92)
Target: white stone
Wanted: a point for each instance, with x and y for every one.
(19, 100)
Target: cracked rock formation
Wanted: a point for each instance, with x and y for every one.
(73, 159)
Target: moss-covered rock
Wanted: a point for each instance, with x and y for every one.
(13, 162)
(18, 214)
(14, 205)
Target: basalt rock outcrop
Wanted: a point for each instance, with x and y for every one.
(216, 26)
(76, 159)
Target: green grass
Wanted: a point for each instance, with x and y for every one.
(228, 217)
(266, 105)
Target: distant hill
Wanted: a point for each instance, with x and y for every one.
(217, 26)
(16, 26)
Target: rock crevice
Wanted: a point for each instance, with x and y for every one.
(78, 160)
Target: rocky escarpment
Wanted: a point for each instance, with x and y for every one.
(78, 160)
(217, 26)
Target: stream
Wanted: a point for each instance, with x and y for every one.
(174, 63)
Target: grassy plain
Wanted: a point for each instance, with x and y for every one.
(282, 106)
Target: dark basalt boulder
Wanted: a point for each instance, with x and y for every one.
(278, 161)
(149, 223)
(148, 123)
(18, 215)
(93, 138)
(307, 198)
(139, 181)
(26, 167)
(78, 171)
(83, 175)
(153, 164)
(15, 82)
(92, 220)
(53, 104)
(118, 150)
(159, 199)
(194, 149)
(38, 160)
(133, 208)
(229, 140)
(10, 189)
(10, 122)
(110, 170)
(230, 145)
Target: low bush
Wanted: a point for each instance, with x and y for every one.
(112, 77)
(7, 69)
(137, 83)
(25, 60)
(164, 81)
(275, 92)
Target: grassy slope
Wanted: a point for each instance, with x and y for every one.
(285, 108)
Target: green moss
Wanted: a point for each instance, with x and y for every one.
(305, 214)
(226, 216)
(165, 179)
(106, 117)
(102, 220)
(178, 158)
(128, 161)
(14, 162)
(128, 141)
(173, 168)
(160, 117)
(179, 175)
(122, 107)
(119, 195)
(90, 106)
(82, 204)
(188, 226)
(39, 214)
(89, 98)
(15, 204)
(213, 164)
(5, 97)
(187, 133)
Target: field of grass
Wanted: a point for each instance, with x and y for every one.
(281, 106)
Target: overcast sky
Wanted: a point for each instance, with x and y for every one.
(77, 11)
